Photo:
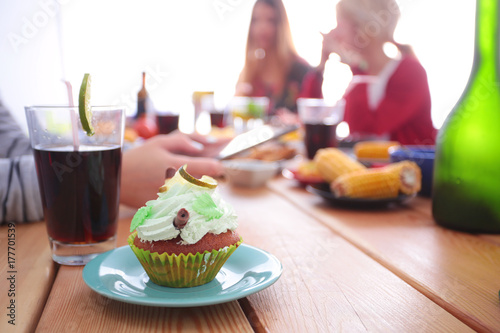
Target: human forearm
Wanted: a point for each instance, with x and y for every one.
(143, 169)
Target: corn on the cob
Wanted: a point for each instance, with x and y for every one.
(308, 169)
(377, 183)
(371, 183)
(410, 176)
(332, 162)
(374, 149)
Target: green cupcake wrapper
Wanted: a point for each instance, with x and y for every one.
(184, 270)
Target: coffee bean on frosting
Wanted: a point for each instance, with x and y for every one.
(181, 219)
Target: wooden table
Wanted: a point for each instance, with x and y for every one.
(390, 270)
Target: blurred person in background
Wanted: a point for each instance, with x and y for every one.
(143, 168)
(19, 193)
(388, 98)
(273, 67)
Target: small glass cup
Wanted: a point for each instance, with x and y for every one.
(79, 178)
(218, 118)
(248, 112)
(320, 121)
(167, 122)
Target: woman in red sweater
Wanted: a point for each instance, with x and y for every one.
(388, 97)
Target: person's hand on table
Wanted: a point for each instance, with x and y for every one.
(196, 144)
(332, 44)
(287, 117)
(143, 167)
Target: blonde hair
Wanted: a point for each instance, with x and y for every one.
(375, 19)
(284, 48)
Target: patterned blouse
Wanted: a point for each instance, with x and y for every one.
(301, 81)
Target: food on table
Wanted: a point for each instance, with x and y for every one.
(183, 238)
(145, 127)
(130, 135)
(272, 151)
(222, 133)
(377, 183)
(308, 169)
(205, 181)
(410, 176)
(332, 163)
(292, 136)
(349, 178)
(374, 149)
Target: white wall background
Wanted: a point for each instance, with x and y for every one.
(195, 45)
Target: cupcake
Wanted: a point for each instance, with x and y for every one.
(183, 238)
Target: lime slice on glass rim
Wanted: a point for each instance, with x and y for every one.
(84, 107)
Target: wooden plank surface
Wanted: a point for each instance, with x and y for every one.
(74, 307)
(458, 271)
(32, 274)
(327, 285)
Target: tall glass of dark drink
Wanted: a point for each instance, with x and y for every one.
(320, 121)
(319, 136)
(79, 178)
(167, 122)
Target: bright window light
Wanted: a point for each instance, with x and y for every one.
(186, 46)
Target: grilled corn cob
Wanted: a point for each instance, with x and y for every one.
(374, 149)
(332, 162)
(409, 174)
(377, 183)
(371, 183)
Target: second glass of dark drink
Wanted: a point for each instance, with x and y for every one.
(167, 122)
(79, 178)
(320, 121)
(319, 136)
(218, 118)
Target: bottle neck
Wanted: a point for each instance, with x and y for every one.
(486, 50)
(142, 96)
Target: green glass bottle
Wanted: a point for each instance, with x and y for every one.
(466, 187)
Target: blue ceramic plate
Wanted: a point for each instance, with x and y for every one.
(117, 274)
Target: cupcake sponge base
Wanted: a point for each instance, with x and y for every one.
(183, 270)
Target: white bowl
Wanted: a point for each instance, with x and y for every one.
(250, 173)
